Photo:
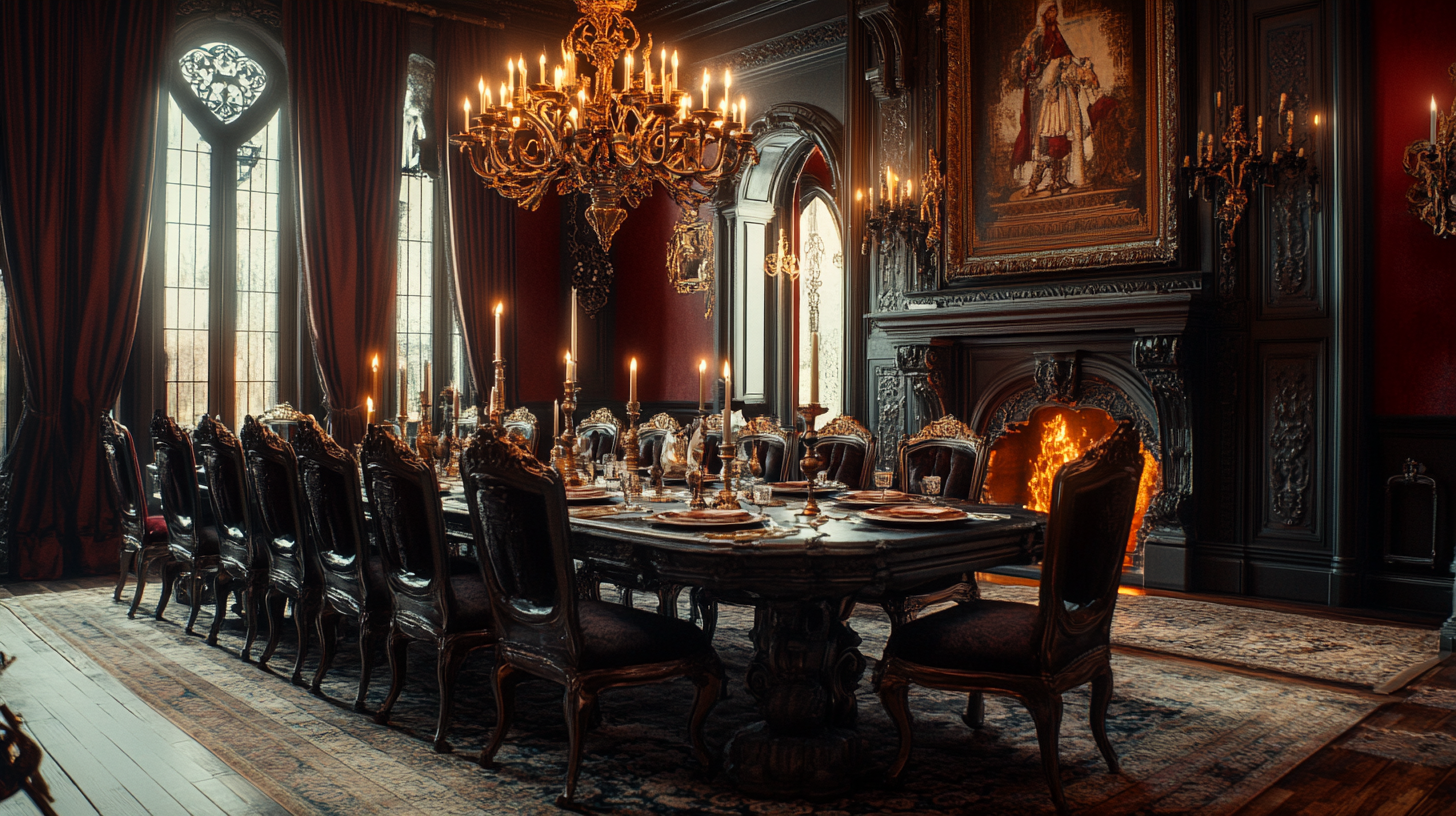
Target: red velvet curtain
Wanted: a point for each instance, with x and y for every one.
(482, 222)
(78, 120)
(346, 79)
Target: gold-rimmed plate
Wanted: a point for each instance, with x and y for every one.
(726, 519)
(914, 514)
(862, 499)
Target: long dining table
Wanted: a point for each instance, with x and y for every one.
(806, 663)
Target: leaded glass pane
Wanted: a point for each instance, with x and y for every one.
(255, 362)
(419, 102)
(821, 305)
(226, 80)
(186, 268)
(415, 323)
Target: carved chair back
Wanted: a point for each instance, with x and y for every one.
(227, 492)
(772, 444)
(177, 478)
(274, 471)
(848, 450)
(712, 427)
(521, 422)
(947, 448)
(1092, 506)
(522, 537)
(409, 528)
(603, 433)
(124, 478)
(334, 515)
(652, 436)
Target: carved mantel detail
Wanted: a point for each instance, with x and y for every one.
(889, 409)
(888, 24)
(1160, 360)
(1056, 377)
(924, 368)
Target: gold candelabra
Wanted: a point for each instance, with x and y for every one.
(630, 455)
(1432, 163)
(424, 437)
(584, 133)
(728, 495)
(1230, 175)
(898, 219)
(811, 464)
(564, 455)
(782, 262)
(498, 394)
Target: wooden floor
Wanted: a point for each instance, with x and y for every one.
(107, 752)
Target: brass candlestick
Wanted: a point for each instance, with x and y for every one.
(630, 455)
(811, 463)
(498, 394)
(728, 496)
(566, 443)
(424, 437)
(695, 483)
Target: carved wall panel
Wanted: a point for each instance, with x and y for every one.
(1291, 436)
(927, 376)
(889, 412)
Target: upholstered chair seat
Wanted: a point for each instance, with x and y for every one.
(615, 636)
(982, 636)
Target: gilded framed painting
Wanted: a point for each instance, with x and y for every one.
(1060, 131)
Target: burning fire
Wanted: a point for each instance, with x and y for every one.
(1059, 442)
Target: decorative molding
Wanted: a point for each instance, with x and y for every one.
(1160, 360)
(1056, 377)
(894, 152)
(846, 425)
(1291, 433)
(948, 427)
(602, 416)
(890, 408)
(924, 368)
(267, 13)
(1159, 285)
(661, 422)
(789, 46)
(1289, 51)
(889, 29)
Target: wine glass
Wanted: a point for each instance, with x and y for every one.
(740, 465)
(883, 480)
(762, 495)
(613, 476)
(930, 486)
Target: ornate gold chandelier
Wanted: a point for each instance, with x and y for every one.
(605, 138)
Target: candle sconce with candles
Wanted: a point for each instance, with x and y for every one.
(1228, 176)
(899, 219)
(782, 262)
(1432, 163)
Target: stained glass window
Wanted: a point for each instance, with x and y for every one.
(226, 80)
(187, 272)
(821, 304)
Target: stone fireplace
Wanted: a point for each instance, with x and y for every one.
(1042, 379)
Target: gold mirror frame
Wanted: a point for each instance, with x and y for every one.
(690, 258)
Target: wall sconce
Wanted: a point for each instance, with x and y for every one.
(898, 219)
(1230, 175)
(782, 262)
(1432, 164)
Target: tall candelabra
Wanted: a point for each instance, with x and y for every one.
(630, 456)
(424, 437)
(899, 219)
(1229, 175)
(811, 464)
(565, 453)
(1432, 163)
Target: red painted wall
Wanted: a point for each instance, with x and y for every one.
(540, 335)
(1415, 272)
(664, 330)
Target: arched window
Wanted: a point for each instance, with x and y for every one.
(821, 301)
(225, 306)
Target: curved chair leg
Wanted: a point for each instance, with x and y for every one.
(505, 679)
(128, 561)
(305, 620)
(709, 688)
(1101, 696)
(170, 573)
(975, 713)
(577, 703)
(327, 623)
(667, 599)
(1047, 713)
(398, 646)
(273, 601)
(143, 565)
(705, 607)
(222, 589)
(194, 591)
(253, 596)
(447, 667)
(894, 694)
(369, 631)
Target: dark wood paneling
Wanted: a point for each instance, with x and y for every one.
(1293, 478)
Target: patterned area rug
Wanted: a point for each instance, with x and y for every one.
(1191, 739)
(1363, 655)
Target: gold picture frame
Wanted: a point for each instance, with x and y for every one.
(690, 258)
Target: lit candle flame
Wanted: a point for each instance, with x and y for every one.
(500, 306)
(375, 363)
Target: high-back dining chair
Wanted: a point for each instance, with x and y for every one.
(244, 569)
(763, 438)
(191, 533)
(143, 536)
(353, 578)
(1035, 652)
(947, 448)
(522, 422)
(848, 450)
(522, 537)
(293, 572)
(451, 612)
(603, 434)
(652, 436)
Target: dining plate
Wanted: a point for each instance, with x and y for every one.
(861, 499)
(802, 488)
(914, 514)
(587, 495)
(716, 519)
